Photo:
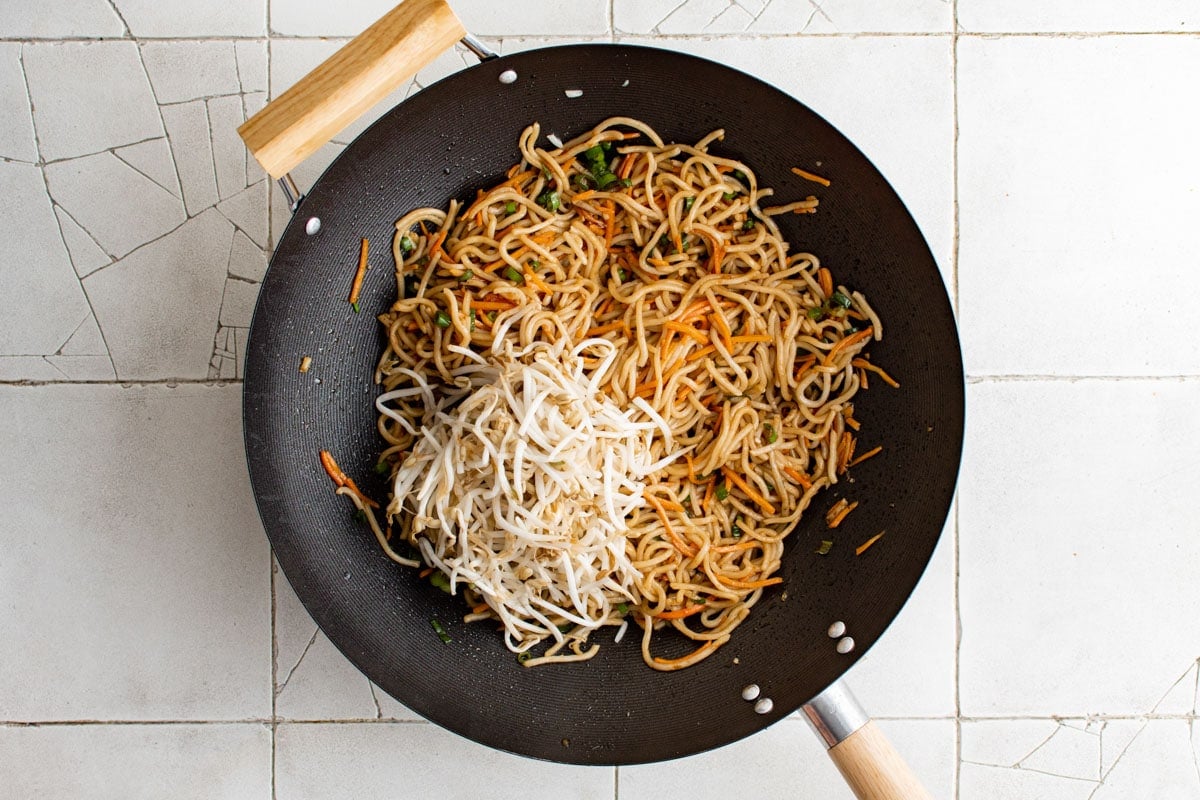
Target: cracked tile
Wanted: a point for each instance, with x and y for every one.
(155, 19)
(115, 204)
(315, 681)
(16, 124)
(1181, 697)
(246, 259)
(788, 760)
(1069, 752)
(156, 603)
(152, 159)
(158, 306)
(40, 299)
(85, 341)
(86, 255)
(733, 19)
(28, 368)
(49, 19)
(229, 152)
(1068, 15)
(181, 71)
(88, 97)
(84, 368)
(133, 762)
(246, 210)
(251, 62)
(237, 303)
(480, 17)
(692, 17)
(1047, 566)
(191, 146)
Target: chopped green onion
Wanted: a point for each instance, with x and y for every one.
(534, 264)
(741, 176)
(688, 202)
(621, 275)
(510, 207)
(840, 300)
(594, 153)
(686, 241)
(854, 327)
(626, 182)
(382, 467)
(545, 173)
(440, 631)
(728, 196)
(816, 312)
(622, 608)
(606, 146)
(511, 273)
(549, 200)
(701, 600)
(442, 319)
(825, 547)
(734, 530)
(685, 500)
(360, 515)
(472, 320)
(770, 488)
(748, 224)
(354, 305)
(411, 284)
(772, 434)
(440, 580)
(523, 657)
(606, 178)
(566, 627)
(722, 491)
(491, 316)
(467, 275)
(407, 245)
(581, 182)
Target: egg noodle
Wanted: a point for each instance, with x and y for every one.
(610, 391)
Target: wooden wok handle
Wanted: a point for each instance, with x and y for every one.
(295, 124)
(873, 769)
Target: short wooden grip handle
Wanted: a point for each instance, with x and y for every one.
(295, 124)
(873, 769)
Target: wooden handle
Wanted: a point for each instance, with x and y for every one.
(292, 126)
(873, 769)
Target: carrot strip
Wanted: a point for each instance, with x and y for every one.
(757, 337)
(825, 279)
(492, 305)
(734, 582)
(849, 341)
(733, 548)
(718, 321)
(841, 515)
(862, 548)
(680, 613)
(737, 481)
(708, 494)
(585, 195)
(691, 467)
(435, 252)
(356, 285)
(705, 648)
(479, 609)
(862, 363)
(808, 176)
(686, 330)
(701, 353)
(799, 477)
(680, 545)
(626, 166)
(804, 364)
(865, 456)
(533, 278)
(609, 328)
(853, 423)
(341, 479)
(425, 573)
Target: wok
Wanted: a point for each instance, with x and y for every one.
(455, 137)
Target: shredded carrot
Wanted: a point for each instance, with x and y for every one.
(585, 195)
(876, 451)
(360, 273)
(680, 544)
(845, 450)
(825, 280)
(701, 353)
(680, 613)
(862, 363)
(609, 328)
(853, 423)
(804, 364)
(492, 305)
(849, 341)
(862, 548)
(610, 220)
(718, 321)
(626, 166)
(705, 648)
(691, 467)
(837, 518)
(799, 477)
(755, 337)
(737, 481)
(686, 330)
(708, 494)
(425, 573)
(533, 278)
(808, 176)
(341, 479)
(683, 393)
(733, 548)
(751, 584)
(435, 252)
(864, 380)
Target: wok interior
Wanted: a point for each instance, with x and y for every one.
(458, 136)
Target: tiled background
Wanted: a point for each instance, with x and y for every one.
(1049, 152)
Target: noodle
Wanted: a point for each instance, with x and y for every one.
(610, 391)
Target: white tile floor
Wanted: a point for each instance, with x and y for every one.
(1047, 150)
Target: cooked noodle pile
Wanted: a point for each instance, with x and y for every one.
(610, 391)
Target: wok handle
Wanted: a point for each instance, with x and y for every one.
(298, 122)
(871, 766)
